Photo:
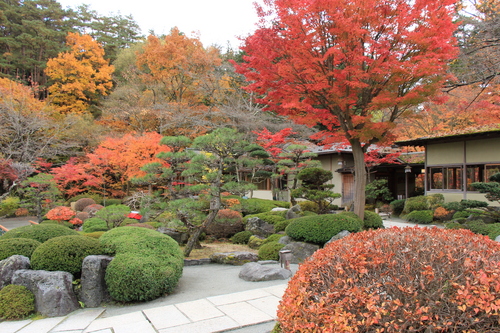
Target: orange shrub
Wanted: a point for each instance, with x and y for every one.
(60, 213)
(397, 280)
(227, 223)
(442, 214)
(22, 212)
(231, 202)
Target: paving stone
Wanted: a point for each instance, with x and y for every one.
(278, 290)
(41, 326)
(205, 326)
(79, 320)
(268, 305)
(245, 314)
(13, 326)
(199, 310)
(131, 322)
(237, 297)
(166, 316)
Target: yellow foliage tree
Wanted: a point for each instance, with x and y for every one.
(80, 76)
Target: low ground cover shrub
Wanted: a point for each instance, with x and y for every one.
(418, 279)
(241, 237)
(17, 246)
(321, 228)
(421, 216)
(147, 264)
(9, 206)
(65, 253)
(272, 238)
(269, 217)
(423, 202)
(281, 225)
(256, 206)
(270, 251)
(397, 207)
(16, 302)
(39, 232)
(372, 220)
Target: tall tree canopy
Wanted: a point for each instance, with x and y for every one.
(350, 66)
(80, 76)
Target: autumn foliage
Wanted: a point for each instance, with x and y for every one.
(397, 280)
(60, 214)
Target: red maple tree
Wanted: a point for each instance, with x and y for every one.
(351, 66)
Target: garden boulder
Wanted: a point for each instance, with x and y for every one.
(259, 227)
(94, 290)
(300, 251)
(253, 271)
(237, 258)
(53, 291)
(9, 266)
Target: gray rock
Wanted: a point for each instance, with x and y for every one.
(9, 266)
(53, 291)
(180, 237)
(257, 272)
(94, 290)
(285, 240)
(300, 251)
(259, 227)
(338, 236)
(234, 258)
(294, 212)
(278, 209)
(497, 239)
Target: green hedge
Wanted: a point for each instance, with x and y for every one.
(256, 206)
(65, 253)
(94, 224)
(39, 232)
(147, 264)
(16, 302)
(321, 228)
(269, 217)
(17, 246)
(270, 251)
(421, 216)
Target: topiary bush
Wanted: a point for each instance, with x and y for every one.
(39, 232)
(80, 204)
(256, 206)
(141, 225)
(95, 234)
(270, 251)
(65, 253)
(241, 237)
(16, 302)
(321, 228)
(94, 224)
(397, 207)
(415, 203)
(92, 209)
(269, 217)
(308, 206)
(372, 220)
(443, 214)
(397, 280)
(147, 264)
(227, 223)
(17, 246)
(421, 216)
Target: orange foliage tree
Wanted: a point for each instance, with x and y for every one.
(352, 67)
(80, 76)
(111, 166)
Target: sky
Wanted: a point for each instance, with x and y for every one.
(217, 21)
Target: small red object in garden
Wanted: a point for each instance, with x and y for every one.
(134, 215)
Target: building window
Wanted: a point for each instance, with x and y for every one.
(491, 169)
(475, 173)
(445, 178)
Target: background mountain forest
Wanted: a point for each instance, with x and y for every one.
(78, 87)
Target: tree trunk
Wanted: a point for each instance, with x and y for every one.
(359, 178)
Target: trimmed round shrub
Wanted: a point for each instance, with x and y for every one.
(93, 209)
(415, 203)
(421, 216)
(16, 302)
(40, 232)
(397, 207)
(241, 237)
(254, 242)
(65, 253)
(372, 220)
(80, 204)
(397, 280)
(272, 238)
(94, 224)
(17, 246)
(454, 225)
(95, 234)
(281, 225)
(141, 225)
(452, 206)
(270, 251)
(321, 228)
(227, 223)
(82, 216)
(443, 214)
(147, 264)
(63, 223)
(493, 230)
(460, 215)
(269, 217)
(256, 206)
(9, 206)
(477, 227)
(309, 206)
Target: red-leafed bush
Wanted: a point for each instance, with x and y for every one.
(92, 209)
(397, 280)
(60, 214)
(442, 214)
(227, 223)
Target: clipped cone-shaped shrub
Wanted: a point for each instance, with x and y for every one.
(397, 280)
